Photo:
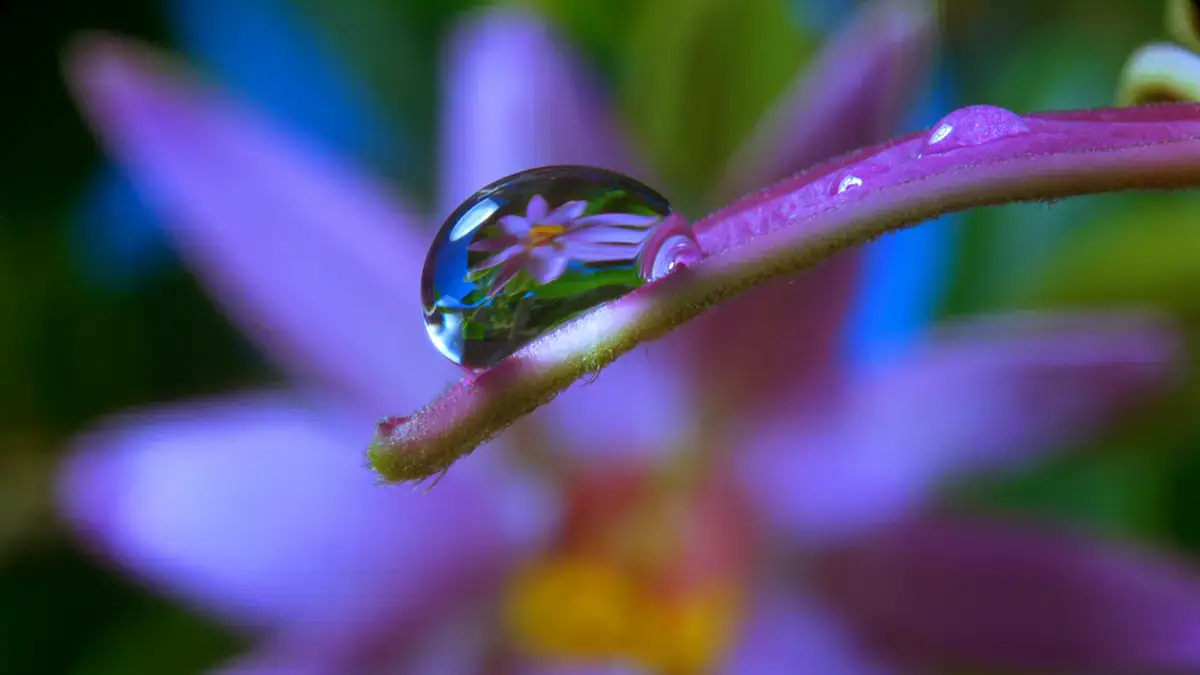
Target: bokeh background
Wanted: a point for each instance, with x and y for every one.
(99, 316)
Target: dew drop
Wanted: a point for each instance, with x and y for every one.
(677, 252)
(671, 246)
(534, 249)
(848, 182)
(388, 425)
(973, 125)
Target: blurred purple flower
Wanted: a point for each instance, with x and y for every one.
(642, 521)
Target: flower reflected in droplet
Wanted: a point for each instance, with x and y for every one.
(543, 242)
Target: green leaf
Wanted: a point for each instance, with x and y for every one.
(597, 29)
(1110, 494)
(160, 639)
(1138, 252)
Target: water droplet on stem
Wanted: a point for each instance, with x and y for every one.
(971, 126)
(534, 249)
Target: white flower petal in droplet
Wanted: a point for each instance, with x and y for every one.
(617, 219)
(565, 214)
(546, 265)
(602, 235)
(537, 209)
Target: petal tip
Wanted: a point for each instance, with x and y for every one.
(497, 28)
(96, 57)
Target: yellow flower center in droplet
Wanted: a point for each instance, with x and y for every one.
(543, 234)
(586, 608)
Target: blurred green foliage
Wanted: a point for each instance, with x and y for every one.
(74, 350)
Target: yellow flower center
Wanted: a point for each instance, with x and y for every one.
(648, 570)
(584, 608)
(543, 234)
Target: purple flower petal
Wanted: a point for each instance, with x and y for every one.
(565, 213)
(545, 264)
(1012, 596)
(515, 99)
(632, 412)
(570, 668)
(993, 394)
(255, 509)
(787, 633)
(853, 94)
(744, 356)
(793, 226)
(312, 260)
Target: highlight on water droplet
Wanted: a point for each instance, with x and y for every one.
(970, 126)
(676, 253)
(534, 249)
(939, 134)
(849, 182)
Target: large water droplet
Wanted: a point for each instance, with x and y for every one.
(534, 249)
(973, 125)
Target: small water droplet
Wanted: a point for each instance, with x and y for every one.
(849, 182)
(388, 425)
(973, 125)
(671, 246)
(676, 252)
(534, 249)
